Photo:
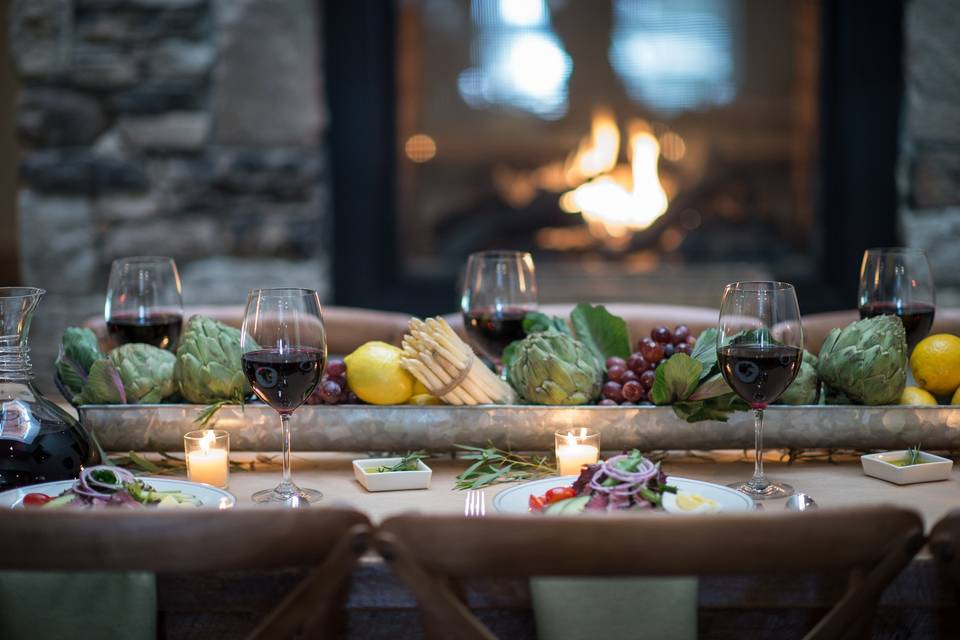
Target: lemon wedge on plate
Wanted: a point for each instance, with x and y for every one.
(689, 502)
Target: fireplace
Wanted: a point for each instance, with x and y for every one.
(644, 151)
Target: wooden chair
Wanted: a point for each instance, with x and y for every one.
(872, 544)
(816, 326)
(944, 542)
(640, 318)
(327, 541)
(347, 327)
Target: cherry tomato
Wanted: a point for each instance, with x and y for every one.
(558, 494)
(35, 499)
(535, 503)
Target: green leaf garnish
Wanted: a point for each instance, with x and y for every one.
(676, 379)
(603, 333)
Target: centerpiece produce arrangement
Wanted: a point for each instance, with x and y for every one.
(586, 359)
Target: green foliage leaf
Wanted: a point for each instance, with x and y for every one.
(603, 333)
(717, 408)
(535, 322)
(706, 350)
(79, 349)
(676, 379)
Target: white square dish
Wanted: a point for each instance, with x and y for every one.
(932, 469)
(391, 480)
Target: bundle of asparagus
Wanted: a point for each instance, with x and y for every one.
(445, 364)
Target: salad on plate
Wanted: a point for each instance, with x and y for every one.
(627, 482)
(105, 486)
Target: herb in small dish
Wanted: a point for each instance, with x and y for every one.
(912, 458)
(409, 462)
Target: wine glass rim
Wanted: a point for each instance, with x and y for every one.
(499, 253)
(21, 292)
(142, 259)
(894, 250)
(283, 290)
(759, 285)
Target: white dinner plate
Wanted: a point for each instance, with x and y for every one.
(514, 499)
(209, 497)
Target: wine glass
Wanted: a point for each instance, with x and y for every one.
(284, 346)
(897, 281)
(759, 349)
(144, 302)
(499, 289)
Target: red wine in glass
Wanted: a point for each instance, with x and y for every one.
(759, 373)
(493, 329)
(917, 317)
(284, 379)
(158, 329)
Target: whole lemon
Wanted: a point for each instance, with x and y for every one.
(375, 375)
(419, 388)
(916, 395)
(424, 399)
(936, 363)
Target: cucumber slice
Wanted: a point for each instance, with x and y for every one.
(574, 506)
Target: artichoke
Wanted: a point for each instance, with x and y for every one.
(131, 374)
(79, 349)
(209, 367)
(866, 360)
(554, 368)
(805, 388)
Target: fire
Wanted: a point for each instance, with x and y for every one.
(616, 203)
(614, 199)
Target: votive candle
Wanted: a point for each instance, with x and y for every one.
(575, 450)
(207, 453)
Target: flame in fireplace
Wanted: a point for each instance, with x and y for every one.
(597, 152)
(618, 202)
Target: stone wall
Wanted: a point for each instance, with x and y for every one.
(930, 147)
(188, 128)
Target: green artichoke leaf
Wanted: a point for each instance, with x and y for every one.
(553, 368)
(146, 372)
(866, 361)
(79, 349)
(603, 333)
(805, 388)
(209, 362)
(676, 379)
(103, 385)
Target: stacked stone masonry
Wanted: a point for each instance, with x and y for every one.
(189, 128)
(930, 145)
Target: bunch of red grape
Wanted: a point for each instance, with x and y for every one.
(628, 382)
(333, 387)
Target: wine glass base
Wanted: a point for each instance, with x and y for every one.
(289, 496)
(766, 491)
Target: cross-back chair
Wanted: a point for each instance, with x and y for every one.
(328, 542)
(944, 543)
(429, 553)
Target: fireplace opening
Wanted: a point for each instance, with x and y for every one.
(643, 151)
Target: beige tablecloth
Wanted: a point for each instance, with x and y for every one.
(832, 484)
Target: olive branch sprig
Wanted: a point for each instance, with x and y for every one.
(492, 465)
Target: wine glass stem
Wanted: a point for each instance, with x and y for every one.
(285, 483)
(759, 480)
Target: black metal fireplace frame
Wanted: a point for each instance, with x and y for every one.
(860, 96)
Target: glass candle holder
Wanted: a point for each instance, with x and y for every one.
(575, 450)
(207, 453)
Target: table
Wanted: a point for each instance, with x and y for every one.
(379, 606)
(839, 483)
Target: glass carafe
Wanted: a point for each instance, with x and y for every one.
(39, 442)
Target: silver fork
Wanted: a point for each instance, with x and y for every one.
(476, 505)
